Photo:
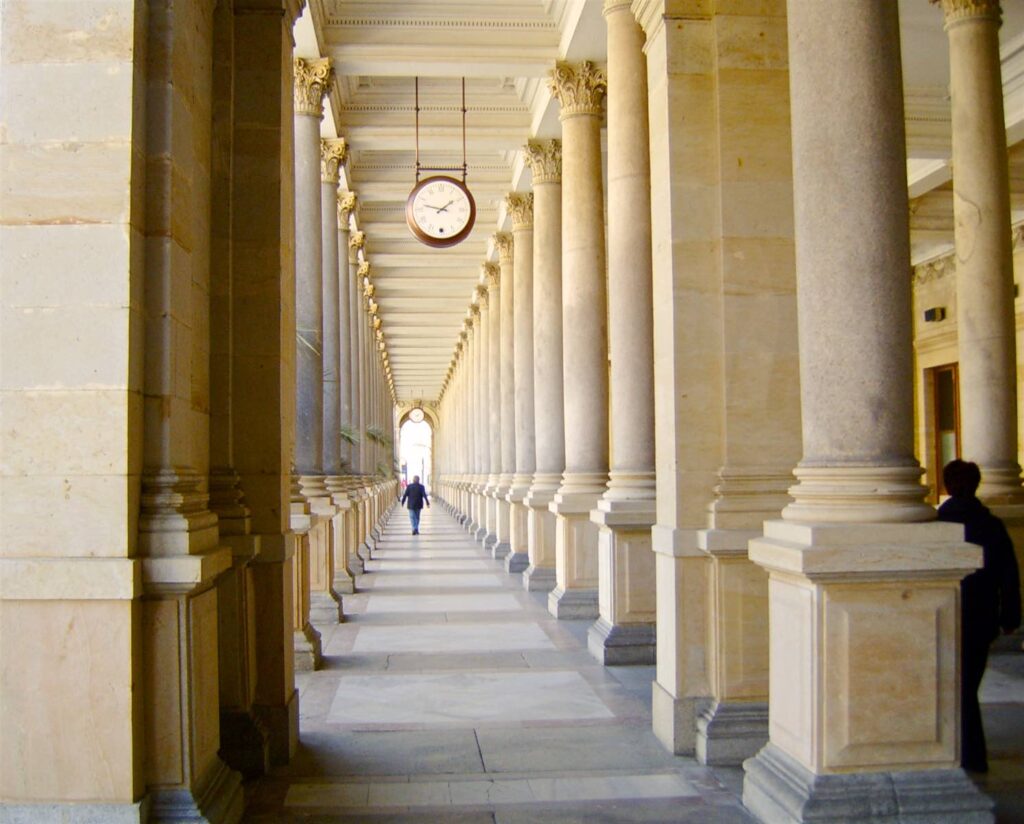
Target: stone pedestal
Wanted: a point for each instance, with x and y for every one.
(576, 565)
(624, 632)
(880, 604)
(539, 575)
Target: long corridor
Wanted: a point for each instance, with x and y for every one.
(451, 695)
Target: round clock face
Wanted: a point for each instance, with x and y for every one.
(416, 415)
(440, 211)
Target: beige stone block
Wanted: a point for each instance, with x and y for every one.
(68, 31)
(792, 721)
(889, 685)
(96, 102)
(689, 45)
(52, 433)
(70, 717)
(759, 266)
(682, 630)
(750, 8)
(740, 591)
(68, 515)
(50, 266)
(747, 40)
(64, 347)
(753, 113)
(757, 209)
(63, 578)
(65, 183)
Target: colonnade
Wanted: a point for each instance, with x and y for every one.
(698, 554)
(343, 479)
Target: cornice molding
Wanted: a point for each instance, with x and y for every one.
(579, 88)
(310, 81)
(333, 155)
(367, 21)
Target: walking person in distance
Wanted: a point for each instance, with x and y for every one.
(416, 496)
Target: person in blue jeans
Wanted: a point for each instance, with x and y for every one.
(416, 495)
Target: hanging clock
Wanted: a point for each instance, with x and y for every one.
(440, 211)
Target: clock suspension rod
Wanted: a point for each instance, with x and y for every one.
(465, 168)
(417, 80)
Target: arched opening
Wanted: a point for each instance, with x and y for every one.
(415, 452)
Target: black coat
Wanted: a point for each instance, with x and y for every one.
(991, 595)
(416, 495)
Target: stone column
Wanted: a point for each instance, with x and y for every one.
(356, 242)
(473, 430)
(491, 275)
(506, 401)
(311, 82)
(863, 583)
(624, 631)
(491, 311)
(580, 89)
(545, 159)
(520, 207)
(483, 447)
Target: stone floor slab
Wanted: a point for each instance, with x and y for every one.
(487, 602)
(465, 698)
(452, 638)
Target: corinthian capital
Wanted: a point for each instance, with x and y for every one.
(333, 155)
(490, 273)
(369, 290)
(503, 243)
(346, 206)
(520, 206)
(579, 88)
(311, 78)
(357, 240)
(545, 159)
(957, 11)
(364, 270)
(482, 298)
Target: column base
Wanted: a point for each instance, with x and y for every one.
(572, 603)
(515, 562)
(779, 790)
(282, 723)
(308, 651)
(480, 533)
(325, 610)
(617, 644)
(220, 801)
(343, 584)
(673, 720)
(500, 550)
(244, 743)
(490, 543)
(728, 733)
(356, 567)
(76, 813)
(539, 579)
(365, 550)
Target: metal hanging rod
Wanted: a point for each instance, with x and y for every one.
(464, 168)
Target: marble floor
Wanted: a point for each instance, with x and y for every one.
(450, 694)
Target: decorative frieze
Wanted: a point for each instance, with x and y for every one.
(956, 11)
(935, 269)
(333, 155)
(520, 206)
(545, 159)
(311, 78)
(503, 246)
(579, 88)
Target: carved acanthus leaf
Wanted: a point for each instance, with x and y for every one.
(520, 206)
(579, 88)
(363, 271)
(545, 159)
(935, 269)
(333, 155)
(490, 273)
(347, 203)
(311, 78)
(357, 240)
(503, 245)
(955, 11)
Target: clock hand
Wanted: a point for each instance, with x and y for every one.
(445, 207)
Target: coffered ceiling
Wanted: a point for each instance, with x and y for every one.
(504, 50)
